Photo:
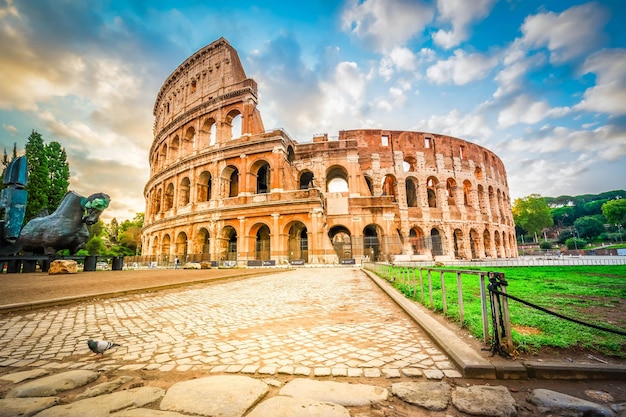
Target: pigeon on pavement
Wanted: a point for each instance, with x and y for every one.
(100, 346)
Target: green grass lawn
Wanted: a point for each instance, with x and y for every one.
(591, 294)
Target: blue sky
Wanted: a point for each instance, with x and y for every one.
(541, 83)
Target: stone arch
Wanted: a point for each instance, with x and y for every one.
(306, 180)
(157, 202)
(203, 187)
(431, 191)
(203, 243)
(184, 192)
(341, 239)
(409, 164)
(417, 241)
(411, 192)
(474, 242)
(372, 242)
(189, 141)
(169, 197)
(233, 124)
(370, 183)
(467, 190)
(298, 241)
(291, 155)
(436, 241)
(230, 180)
(228, 242)
(459, 244)
(390, 186)
(262, 241)
(209, 132)
(336, 179)
(497, 243)
(154, 247)
(165, 246)
(261, 170)
(180, 249)
(487, 243)
(451, 191)
(174, 150)
(162, 156)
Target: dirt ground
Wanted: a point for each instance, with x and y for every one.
(23, 289)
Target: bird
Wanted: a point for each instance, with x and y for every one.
(100, 346)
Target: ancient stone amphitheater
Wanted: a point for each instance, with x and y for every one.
(223, 189)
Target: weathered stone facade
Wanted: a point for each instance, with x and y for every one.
(222, 188)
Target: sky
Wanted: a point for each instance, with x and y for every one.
(540, 83)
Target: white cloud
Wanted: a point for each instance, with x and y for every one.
(383, 24)
(567, 35)
(510, 78)
(468, 127)
(9, 128)
(609, 93)
(525, 110)
(460, 14)
(461, 68)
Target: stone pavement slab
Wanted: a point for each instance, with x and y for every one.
(25, 407)
(297, 407)
(51, 385)
(350, 395)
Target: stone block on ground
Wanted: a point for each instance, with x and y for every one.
(222, 395)
(63, 266)
(23, 407)
(483, 400)
(433, 396)
(342, 393)
(550, 401)
(49, 386)
(281, 406)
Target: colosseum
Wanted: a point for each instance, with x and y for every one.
(225, 190)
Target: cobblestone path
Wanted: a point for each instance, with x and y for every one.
(308, 321)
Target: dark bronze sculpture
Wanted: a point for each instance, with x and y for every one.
(66, 228)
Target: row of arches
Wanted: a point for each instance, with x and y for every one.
(212, 131)
(297, 241)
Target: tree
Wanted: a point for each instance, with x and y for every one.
(589, 226)
(615, 211)
(532, 213)
(59, 174)
(563, 216)
(38, 184)
(113, 230)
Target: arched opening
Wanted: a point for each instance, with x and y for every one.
(498, 244)
(263, 179)
(482, 202)
(230, 176)
(431, 184)
(342, 242)
(203, 243)
(409, 164)
(451, 191)
(487, 243)
(204, 186)
(474, 240)
(157, 202)
(165, 248)
(389, 186)
(184, 192)
(467, 189)
(228, 244)
(154, 248)
(306, 180)
(291, 156)
(416, 240)
(234, 122)
(162, 156)
(459, 249)
(337, 179)
(209, 129)
(370, 184)
(189, 141)
(262, 244)
(174, 150)
(371, 242)
(298, 242)
(169, 196)
(181, 246)
(411, 192)
(435, 240)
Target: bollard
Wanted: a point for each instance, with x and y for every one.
(90, 263)
(118, 263)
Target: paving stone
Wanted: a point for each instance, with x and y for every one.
(25, 407)
(17, 377)
(281, 406)
(104, 388)
(483, 400)
(433, 396)
(551, 401)
(335, 392)
(104, 405)
(51, 385)
(224, 395)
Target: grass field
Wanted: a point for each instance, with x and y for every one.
(591, 294)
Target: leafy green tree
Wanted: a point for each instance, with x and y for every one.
(575, 243)
(113, 230)
(615, 211)
(563, 216)
(532, 213)
(38, 184)
(95, 246)
(589, 226)
(59, 174)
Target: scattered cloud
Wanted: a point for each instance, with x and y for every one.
(461, 14)
(525, 110)
(609, 93)
(462, 68)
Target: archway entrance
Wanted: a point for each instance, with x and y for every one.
(262, 245)
(371, 242)
(298, 242)
(342, 242)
